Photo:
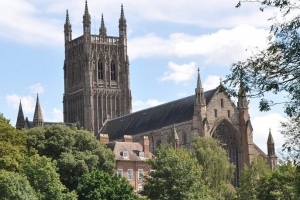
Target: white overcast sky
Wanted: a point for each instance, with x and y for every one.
(167, 41)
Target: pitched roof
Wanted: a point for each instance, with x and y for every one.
(133, 149)
(173, 112)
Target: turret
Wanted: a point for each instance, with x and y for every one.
(200, 99)
(20, 120)
(271, 151)
(38, 116)
(102, 30)
(86, 20)
(122, 24)
(175, 139)
(68, 28)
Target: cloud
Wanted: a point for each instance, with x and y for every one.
(179, 73)
(261, 126)
(223, 46)
(28, 103)
(55, 116)
(140, 105)
(37, 88)
(182, 94)
(211, 82)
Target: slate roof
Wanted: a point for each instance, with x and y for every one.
(170, 113)
(133, 149)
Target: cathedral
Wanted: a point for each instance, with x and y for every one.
(97, 97)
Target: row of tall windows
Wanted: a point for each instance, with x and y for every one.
(112, 70)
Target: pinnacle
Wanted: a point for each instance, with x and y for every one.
(270, 138)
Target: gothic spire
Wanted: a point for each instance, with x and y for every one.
(38, 116)
(270, 138)
(199, 91)
(122, 22)
(102, 27)
(68, 28)
(67, 17)
(86, 16)
(242, 99)
(20, 119)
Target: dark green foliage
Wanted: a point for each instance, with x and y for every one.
(275, 69)
(41, 173)
(75, 151)
(12, 146)
(14, 186)
(217, 170)
(177, 176)
(100, 185)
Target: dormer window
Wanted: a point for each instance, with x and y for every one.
(125, 154)
(141, 154)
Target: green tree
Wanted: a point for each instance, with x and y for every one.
(217, 170)
(279, 184)
(42, 175)
(101, 185)
(12, 146)
(76, 151)
(276, 68)
(15, 186)
(177, 176)
(250, 179)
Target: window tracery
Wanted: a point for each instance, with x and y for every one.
(228, 142)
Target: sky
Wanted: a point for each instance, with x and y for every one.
(167, 42)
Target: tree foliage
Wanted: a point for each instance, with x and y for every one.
(100, 185)
(250, 178)
(177, 176)
(276, 68)
(41, 173)
(15, 186)
(217, 170)
(76, 151)
(12, 146)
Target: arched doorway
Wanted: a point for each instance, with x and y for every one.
(225, 135)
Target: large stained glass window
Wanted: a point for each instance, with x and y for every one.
(228, 142)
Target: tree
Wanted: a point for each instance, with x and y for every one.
(276, 68)
(76, 151)
(15, 186)
(177, 176)
(250, 179)
(12, 146)
(217, 170)
(100, 185)
(41, 173)
(279, 184)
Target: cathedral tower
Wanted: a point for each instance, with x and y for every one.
(96, 74)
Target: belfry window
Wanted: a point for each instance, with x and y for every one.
(113, 71)
(100, 70)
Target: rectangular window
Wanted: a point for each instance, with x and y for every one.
(222, 103)
(228, 113)
(216, 113)
(130, 174)
(140, 174)
(140, 187)
(141, 154)
(120, 172)
(125, 154)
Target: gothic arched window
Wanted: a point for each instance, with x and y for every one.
(100, 70)
(228, 142)
(113, 71)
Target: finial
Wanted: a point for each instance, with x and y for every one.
(102, 27)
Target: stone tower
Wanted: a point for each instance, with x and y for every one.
(96, 74)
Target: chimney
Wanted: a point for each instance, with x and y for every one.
(127, 138)
(104, 138)
(145, 143)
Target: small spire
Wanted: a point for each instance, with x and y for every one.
(67, 17)
(102, 27)
(86, 16)
(199, 80)
(122, 20)
(270, 138)
(38, 116)
(199, 91)
(20, 119)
